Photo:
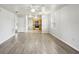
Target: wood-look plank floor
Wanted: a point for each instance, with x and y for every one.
(32, 43)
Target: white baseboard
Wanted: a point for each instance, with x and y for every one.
(7, 38)
(64, 41)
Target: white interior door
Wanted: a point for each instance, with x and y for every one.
(26, 24)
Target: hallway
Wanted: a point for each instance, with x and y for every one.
(34, 43)
(40, 28)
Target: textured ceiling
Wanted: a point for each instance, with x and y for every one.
(25, 9)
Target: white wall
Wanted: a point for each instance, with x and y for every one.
(7, 25)
(66, 25)
(44, 23)
(22, 24)
(30, 24)
(49, 25)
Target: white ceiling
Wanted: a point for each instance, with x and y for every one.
(25, 9)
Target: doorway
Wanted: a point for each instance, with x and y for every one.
(37, 24)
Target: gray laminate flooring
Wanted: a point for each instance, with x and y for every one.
(33, 43)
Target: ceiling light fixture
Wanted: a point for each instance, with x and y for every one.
(32, 10)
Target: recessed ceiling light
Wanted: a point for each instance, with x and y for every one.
(32, 10)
